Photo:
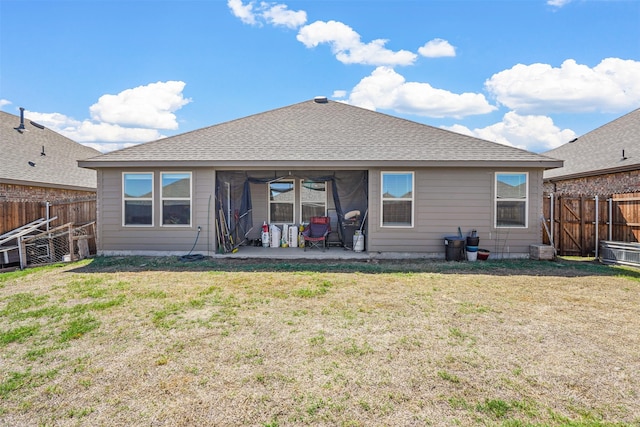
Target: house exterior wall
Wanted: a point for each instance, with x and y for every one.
(448, 198)
(445, 199)
(599, 185)
(113, 237)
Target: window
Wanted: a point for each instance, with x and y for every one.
(512, 195)
(137, 199)
(281, 202)
(397, 199)
(313, 199)
(176, 198)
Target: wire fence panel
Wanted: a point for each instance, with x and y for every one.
(61, 244)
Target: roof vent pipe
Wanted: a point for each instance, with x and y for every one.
(21, 128)
(320, 100)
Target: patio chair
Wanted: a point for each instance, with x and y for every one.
(315, 234)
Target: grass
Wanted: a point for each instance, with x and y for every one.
(146, 341)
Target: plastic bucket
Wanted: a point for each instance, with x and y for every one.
(472, 249)
(454, 248)
(483, 254)
(472, 256)
(473, 241)
(358, 242)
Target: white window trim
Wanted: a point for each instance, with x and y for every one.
(412, 199)
(495, 201)
(293, 203)
(326, 198)
(190, 199)
(125, 199)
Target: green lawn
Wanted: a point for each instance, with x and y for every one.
(155, 341)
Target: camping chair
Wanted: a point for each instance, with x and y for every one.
(316, 232)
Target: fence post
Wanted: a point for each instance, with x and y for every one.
(583, 235)
(610, 236)
(597, 223)
(22, 253)
(551, 216)
(48, 208)
(71, 255)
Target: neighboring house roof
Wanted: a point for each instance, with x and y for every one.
(601, 150)
(56, 168)
(320, 133)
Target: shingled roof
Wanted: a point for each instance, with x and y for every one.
(320, 133)
(23, 162)
(613, 147)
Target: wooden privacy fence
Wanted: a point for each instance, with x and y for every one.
(579, 223)
(16, 214)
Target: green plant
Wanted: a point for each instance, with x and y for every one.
(496, 407)
(18, 334)
(448, 377)
(14, 381)
(76, 328)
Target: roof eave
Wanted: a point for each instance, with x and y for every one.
(47, 185)
(585, 174)
(320, 164)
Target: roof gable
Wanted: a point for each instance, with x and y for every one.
(320, 133)
(612, 147)
(41, 157)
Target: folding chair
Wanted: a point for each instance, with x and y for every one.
(316, 232)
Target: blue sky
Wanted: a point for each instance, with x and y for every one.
(109, 74)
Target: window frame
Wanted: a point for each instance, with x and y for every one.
(325, 201)
(293, 202)
(411, 199)
(125, 199)
(496, 199)
(163, 198)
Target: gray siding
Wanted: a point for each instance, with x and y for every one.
(446, 199)
(114, 237)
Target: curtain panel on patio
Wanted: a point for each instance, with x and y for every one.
(234, 199)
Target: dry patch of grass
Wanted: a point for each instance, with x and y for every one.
(149, 342)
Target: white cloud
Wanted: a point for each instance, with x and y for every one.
(612, 86)
(533, 133)
(88, 131)
(386, 89)
(54, 121)
(558, 3)
(279, 15)
(270, 13)
(106, 147)
(344, 41)
(437, 48)
(242, 11)
(128, 118)
(339, 94)
(4, 102)
(346, 45)
(149, 106)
